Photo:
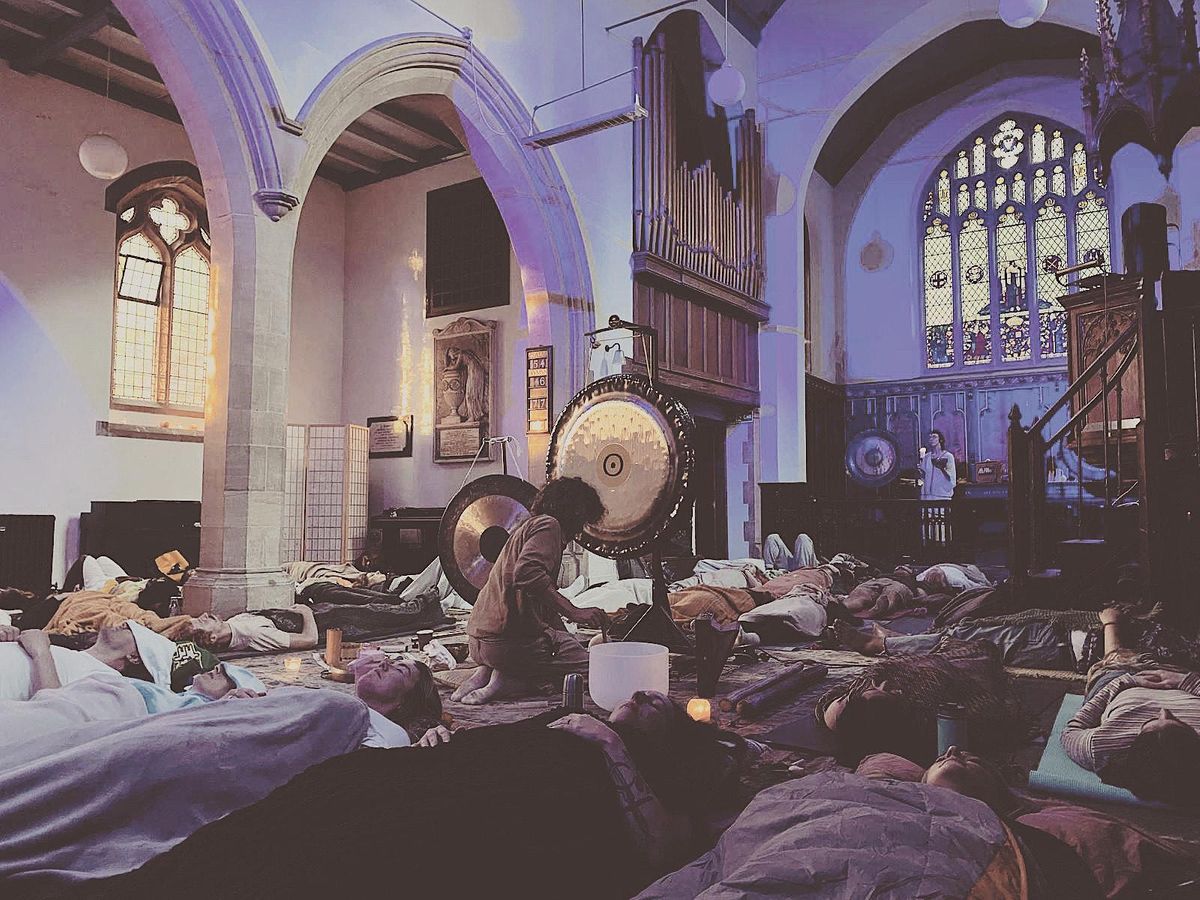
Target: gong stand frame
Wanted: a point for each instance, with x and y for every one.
(616, 323)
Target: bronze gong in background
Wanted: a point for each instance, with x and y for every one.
(475, 527)
(635, 446)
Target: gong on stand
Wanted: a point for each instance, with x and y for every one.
(635, 446)
(476, 526)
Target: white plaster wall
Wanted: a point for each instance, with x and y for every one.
(882, 310)
(825, 344)
(318, 302)
(388, 344)
(56, 283)
(56, 302)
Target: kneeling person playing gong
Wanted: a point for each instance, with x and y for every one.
(516, 628)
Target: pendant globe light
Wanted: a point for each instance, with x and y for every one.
(100, 154)
(726, 86)
(1022, 13)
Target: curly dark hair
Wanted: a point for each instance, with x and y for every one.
(572, 501)
(885, 724)
(1158, 765)
(691, 766)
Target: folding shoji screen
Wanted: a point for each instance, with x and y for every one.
(325, 493)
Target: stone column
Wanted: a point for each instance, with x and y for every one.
(244, 427)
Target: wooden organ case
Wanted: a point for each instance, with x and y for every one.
(697, 228)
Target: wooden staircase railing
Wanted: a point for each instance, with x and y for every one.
(1104, 442)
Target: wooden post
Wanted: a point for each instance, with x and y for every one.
(1018, 499)
(1152, 544)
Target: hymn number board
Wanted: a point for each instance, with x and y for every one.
(538, 362)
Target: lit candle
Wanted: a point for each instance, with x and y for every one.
(699, 709)
(292, 664)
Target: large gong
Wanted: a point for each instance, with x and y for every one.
(475, 527)
(873, 458)
(634, 445)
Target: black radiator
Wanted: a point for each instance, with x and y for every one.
(26, 552)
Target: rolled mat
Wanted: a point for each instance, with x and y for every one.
(1057, 774)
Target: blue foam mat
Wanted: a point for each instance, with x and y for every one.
(1057, 774)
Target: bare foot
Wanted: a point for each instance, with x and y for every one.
(882, 632)
(853, 639)
(478, 679)
(499, 687)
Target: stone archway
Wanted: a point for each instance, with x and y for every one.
(526, 183)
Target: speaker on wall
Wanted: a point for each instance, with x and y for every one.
(1144, 237)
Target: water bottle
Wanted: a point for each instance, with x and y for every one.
(572, 692)
(951, 727)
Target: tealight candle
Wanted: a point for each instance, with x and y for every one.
(699, 709)
(292, 664)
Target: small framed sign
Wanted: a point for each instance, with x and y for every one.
(539, 387)
(391, 436)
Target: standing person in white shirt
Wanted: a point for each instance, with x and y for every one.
(937, 469)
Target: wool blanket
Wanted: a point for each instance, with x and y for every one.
(515, 810)
(105, 797)
(837, 836)
(92, 610)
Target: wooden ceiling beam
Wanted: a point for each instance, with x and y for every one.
(434, 132)
(161, 107)
(60, 35)
(130, 65)
(359, 161)
(378, 139)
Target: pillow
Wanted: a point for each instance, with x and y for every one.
(889, 765)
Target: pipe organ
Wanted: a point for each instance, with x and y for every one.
(698, 243)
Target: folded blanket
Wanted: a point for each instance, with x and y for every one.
(92, 610)
(103, 798)
(724, 603)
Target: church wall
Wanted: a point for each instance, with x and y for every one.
(388, 342)
(57, 257)
(879, 199)
(318, 295)
(56, 304)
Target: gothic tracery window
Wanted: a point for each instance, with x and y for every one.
(160, 316)
(1026, 205)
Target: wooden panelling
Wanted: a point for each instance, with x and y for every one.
(705, 349)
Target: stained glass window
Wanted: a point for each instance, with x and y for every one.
(1011, 257)
(1050, 238)
(1037, 145)
(1004, 213)
(975, 294)
(1079, 169)
(160, 320)
(978, 157)
(939, 297)
(1091, 229)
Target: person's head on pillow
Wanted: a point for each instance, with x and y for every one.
(210, 632)
(213, 684)
(966, 773)
(115, 647)
(1162, 763)
(401, 689)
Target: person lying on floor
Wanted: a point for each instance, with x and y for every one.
(892, 707)
(102, 696)
(515, 630)
(248, 631)
(115, 650)
(885, 597)
(401, 697)
(1139, 726)
(556, 806)
(952, 578)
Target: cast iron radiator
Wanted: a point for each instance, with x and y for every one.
(26, 552)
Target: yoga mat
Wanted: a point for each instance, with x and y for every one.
(1057, 774)
(804, 734)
